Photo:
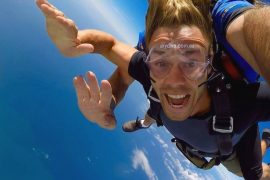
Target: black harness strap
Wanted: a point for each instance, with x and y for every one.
(199, 161)
(222, 123)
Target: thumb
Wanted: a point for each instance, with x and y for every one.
(109, 121)
(84, 49)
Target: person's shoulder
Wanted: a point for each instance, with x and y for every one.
(139, 56)
(138, 68)
(140, 53)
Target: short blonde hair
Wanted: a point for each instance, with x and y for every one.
(174, 13)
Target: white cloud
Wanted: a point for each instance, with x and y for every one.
(139, 159)
(161, 141)
(170, 169)
(223, 172)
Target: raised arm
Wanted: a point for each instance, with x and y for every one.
(243, 30)
(62, 31)
(120, 81)
(71, 42)
(249, 35)
(95, 103)
(258, 38)
(105, 44)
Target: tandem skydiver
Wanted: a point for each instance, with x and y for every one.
(187, 105)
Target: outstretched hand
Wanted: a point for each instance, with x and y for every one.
(94, 103)
(63, 31)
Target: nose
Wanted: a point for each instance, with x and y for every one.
(175, 77)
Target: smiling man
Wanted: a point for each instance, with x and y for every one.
(208, 113)
(178, 60)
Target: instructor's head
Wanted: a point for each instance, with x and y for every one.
(178, 37)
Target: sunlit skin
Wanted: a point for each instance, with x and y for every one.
(176, 83)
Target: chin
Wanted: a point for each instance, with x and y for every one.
(176, 116)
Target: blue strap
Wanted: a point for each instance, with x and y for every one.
(141, 46)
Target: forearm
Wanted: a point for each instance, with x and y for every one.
(106, 45)
(228, 20)
(256, 31)
(120, 82)
(120, 54)
(101, 41)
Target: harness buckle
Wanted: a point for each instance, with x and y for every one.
(218, 128)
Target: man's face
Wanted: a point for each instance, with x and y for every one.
(179, 71)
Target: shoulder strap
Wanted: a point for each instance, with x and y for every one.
(222, 122)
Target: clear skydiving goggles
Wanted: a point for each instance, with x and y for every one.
(191, 56)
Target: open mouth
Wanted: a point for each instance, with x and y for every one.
(177, 101)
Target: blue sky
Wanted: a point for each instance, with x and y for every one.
(41, 128)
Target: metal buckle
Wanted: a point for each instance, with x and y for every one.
(229, 130)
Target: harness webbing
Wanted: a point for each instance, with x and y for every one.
(222, 123)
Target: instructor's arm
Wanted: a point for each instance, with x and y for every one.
(249, 34)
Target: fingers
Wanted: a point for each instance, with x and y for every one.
(40, 2)
(106, 93)
(93, 84)
(65, 21)
(105, 101)
(48, 9)
(68, 26)
(82, 90)
(88, 94)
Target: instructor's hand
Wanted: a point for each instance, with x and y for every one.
(94, 103)
(63, 31)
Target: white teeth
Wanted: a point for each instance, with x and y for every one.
(176, 106)
(176, 96)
